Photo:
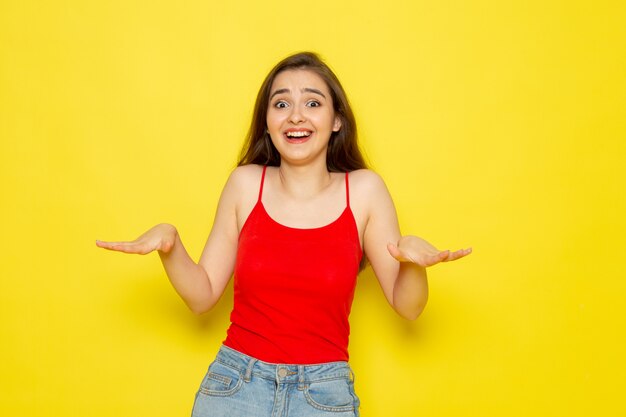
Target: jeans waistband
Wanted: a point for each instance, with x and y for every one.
(282, 373)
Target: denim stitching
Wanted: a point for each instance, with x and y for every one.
(323, 407)
(219, 378)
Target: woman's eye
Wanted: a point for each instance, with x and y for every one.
(313, 104)
(280, 105)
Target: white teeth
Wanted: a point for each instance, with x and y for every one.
(298, 134)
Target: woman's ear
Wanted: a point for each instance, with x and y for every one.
(337, 124)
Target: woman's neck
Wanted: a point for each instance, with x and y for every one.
(304, 181)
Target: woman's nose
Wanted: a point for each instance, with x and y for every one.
(296, 116)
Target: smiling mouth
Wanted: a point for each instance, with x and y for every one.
(298, 134)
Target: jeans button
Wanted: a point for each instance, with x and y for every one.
(282, 372)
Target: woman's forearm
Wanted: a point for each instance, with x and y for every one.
(410, 291)
(189, 279)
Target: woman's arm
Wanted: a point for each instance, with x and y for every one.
(399, 262)
(200, 285)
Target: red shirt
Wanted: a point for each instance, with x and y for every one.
(294, 288)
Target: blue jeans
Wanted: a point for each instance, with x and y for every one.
(238, 385)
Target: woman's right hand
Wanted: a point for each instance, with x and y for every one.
(161, 237)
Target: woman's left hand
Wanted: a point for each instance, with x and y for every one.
(418, 251)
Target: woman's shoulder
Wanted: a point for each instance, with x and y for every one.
(366, 179)
(367, 187)
(245, 174)
(368, 195)
(243, 180)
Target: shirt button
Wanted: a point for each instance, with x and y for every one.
(282, 372)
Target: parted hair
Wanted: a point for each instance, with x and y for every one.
(343, 153)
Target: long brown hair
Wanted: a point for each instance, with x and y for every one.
(343, 153)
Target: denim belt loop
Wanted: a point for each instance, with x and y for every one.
(301, 377)
(248, 376)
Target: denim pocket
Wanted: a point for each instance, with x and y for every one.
(221, 380)
(335, 395)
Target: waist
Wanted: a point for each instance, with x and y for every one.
(251, 367)
(272, 342)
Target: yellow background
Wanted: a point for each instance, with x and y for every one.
(498, 125)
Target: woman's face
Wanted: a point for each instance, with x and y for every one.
(300, 116)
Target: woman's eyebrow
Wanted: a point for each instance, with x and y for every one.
(304, 90)
(280, 91)
(313, 90)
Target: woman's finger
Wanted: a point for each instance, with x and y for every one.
(394, 251)
(126, 247)
(106, 245)
(459, 254)
(436, 258)
(399, 255)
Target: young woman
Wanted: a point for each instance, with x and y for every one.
(294, 222)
